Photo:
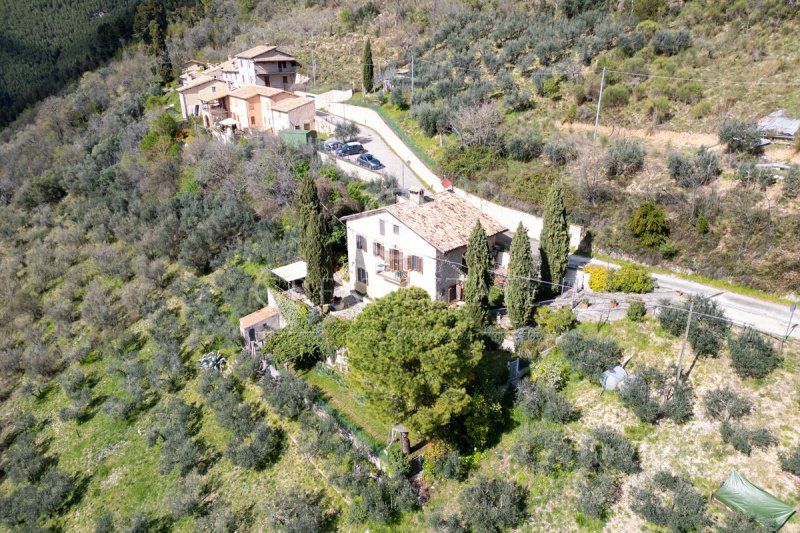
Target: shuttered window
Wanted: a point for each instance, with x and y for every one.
(377, 250)
(361, 242)
(414, 263)
(361, 276)
(395, 260)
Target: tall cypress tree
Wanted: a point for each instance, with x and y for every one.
(367, 67)
(554, 242)
(476, 291)
(315, 246)
(520, 288)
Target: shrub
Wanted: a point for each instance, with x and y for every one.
(596, 495)
(740, 523)
(642, 392)
(707, 327)
(398, 97)
(658, 109)
(297, 511)
(724, 404)
(399, 465)
(432, 118)
(616, 96)
(751, 355)
(524, 147)
(625, 157)
(636, 310)
(555, 322)
(590, 356)
(540, 401)
(288, 395)
(791, 182)
(751, 175)
(631, 278)
(493, 505)
(334, 332)
(598, 277)
(346, 131)
(739, 135)
(744, 439)
(496, 296)
(299, 346)
(669, 43)
(544, 448)
(632, 42)
(560, 151)
(450, 465)
(608, 451)
(551, 370)
(672, 502)
(649, 224)
(791, 461)
(258, 449)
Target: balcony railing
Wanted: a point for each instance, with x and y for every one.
(398, 277)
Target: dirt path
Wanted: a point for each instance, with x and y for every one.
(665, 139)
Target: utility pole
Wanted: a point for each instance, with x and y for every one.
(792, 309)
(313, 69)
(685, 338)
(412, 81)
(599, 99)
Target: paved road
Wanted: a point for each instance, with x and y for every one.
(375, 145)
(766, 316)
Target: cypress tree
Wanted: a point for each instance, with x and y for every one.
(554, 242)
(315, 244)
(476, 291)
(520, 289)
(367, 67)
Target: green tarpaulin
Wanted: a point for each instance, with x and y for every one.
(741, 495)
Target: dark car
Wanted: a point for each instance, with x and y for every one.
(350, 149)
(369, 161)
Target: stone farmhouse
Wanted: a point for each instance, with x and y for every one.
(249, 92)
(420, 242)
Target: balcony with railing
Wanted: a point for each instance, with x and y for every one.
(397, 277)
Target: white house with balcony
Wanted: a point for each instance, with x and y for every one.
(420, 242)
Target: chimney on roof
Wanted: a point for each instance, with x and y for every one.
(416, 195)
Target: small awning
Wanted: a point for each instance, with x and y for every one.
(291, 272)
(741, 495)
(228, 122)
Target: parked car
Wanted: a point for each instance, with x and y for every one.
(369, 161)
(350, 149)
(331, 145)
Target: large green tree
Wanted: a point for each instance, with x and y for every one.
(367, 67)
(520, 288)
(412, 357)
(554, 241)
(315, 246)
(476, 291)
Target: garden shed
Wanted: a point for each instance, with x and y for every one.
(739, 494)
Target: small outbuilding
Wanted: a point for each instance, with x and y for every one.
(253, 327)
(298, 137)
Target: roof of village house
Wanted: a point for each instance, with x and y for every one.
(229, 66)
(190, 62)
(249, 91)
(200, 80)
(279, 57)
(288, 104)
(250, 53)
(445, 221)
(206, 95)
(257, 317)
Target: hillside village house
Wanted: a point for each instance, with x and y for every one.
(417, 243)
(249, 92)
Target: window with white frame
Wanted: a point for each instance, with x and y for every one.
(396, 229)
(382, 224)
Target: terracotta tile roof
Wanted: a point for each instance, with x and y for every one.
(206, 95)
(249, 91)
(200, 80)
(287, 104)
(274, 58)
(445, 221)
(257, 317)
(230, 65)
(255, 51)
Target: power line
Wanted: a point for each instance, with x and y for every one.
(701, 80)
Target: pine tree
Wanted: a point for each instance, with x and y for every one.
(520, 289)
(554, 242)
(476, 291)
(367, 67)
(315, 244)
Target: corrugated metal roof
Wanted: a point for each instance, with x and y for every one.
(777, 124)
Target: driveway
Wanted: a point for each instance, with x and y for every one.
(765, 316)
(375, 145)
